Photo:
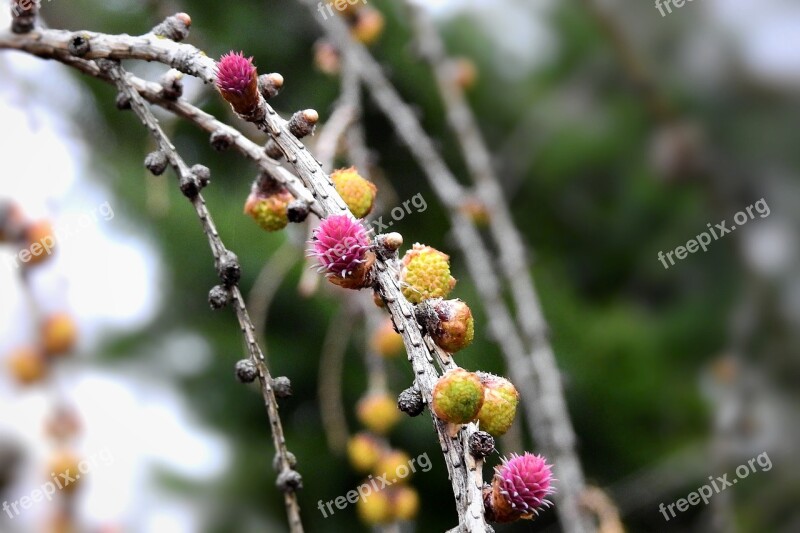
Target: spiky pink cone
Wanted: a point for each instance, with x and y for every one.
(341, 246)
(237, 82)
(520, 488)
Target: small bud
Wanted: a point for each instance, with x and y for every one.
(58, 334)
(123, 102)
(282, 387)
(218, 297)
(410, 402)
(448, 322)
(23, 14)
(364, 450)
(378, 412)
(228, 269)
(481, 444)
(190, 186)
(277, 461)
(341, 245)
(376, 298)
(302, 123)
(203, 175)
(357, 192)
(327, 58)
(221, 140)
(386, 341)
(426, 274)
(246, 371)
(237, 82)
(156, 162)
(273, 150)
(387, 244)
(520, 488)
(270, 85)
(297, 211)
(289, 481)
(405, 501)
(268, 204)
(27, 365)
(368, 26)
(465, 73)
(175, 27)
(500, 399)
(457, 396)
(41, 234)
(78, 45)
(64, 465)
(172, 84)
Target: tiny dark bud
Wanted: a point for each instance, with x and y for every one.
(289, 481)
(123, 102)
(302, 123)
(218, 297)
(246, 371)
(297, 211)
(221, 140)
(270, 85)
(190, 186)
(172, 84)
(156, 162)
(175, 27)
(23, 13)
(282, 387)
(276, 461)
(78, 45)
(203, 175)
(410, 402)
(228, 269)
(481, 444)
(387, 244)
(273, 150)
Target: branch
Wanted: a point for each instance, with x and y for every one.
(226, 264)
(464, 471)
(536, 372)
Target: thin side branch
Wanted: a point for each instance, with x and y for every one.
(285, 461)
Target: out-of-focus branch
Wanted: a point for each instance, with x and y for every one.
(266, 286)
(557, 435)
(331, 365)
(228, 267)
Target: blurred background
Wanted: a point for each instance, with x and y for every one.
(618, 133)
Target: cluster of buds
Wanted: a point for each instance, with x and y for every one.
(448, 322)
(378, 505)
(425, 274)
(58, 335)
(36, 240)
(385, 340)
(460, 397)
(358, 193)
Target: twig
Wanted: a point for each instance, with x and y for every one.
(535, 372)
(221, 255)
(464, 471)
(331, 364)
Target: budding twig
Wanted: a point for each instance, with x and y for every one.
(229, 274)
